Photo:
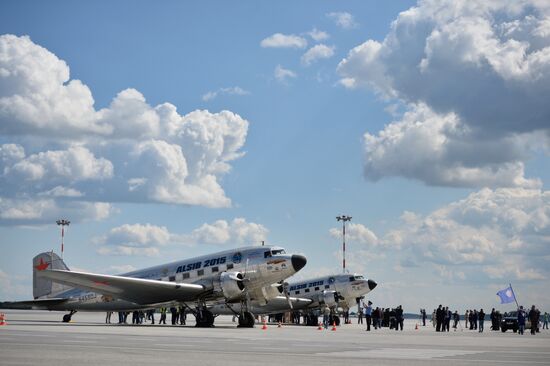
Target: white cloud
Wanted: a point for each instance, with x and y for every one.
(279, 40)
(147, 239)
(236, 232)
(317, 52)
(13, 286)
(42, 211)
(99, 155)
(481, 68)
(505, 231)
(343, 19)
(357, 233)
(227, 91)
(318, 35)
(282, 75)
(439, 150)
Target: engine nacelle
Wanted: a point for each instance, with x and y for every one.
(328, 298)
(230, 284)
(271, 292)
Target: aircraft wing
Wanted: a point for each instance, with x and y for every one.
(32, 304)
(138, 290)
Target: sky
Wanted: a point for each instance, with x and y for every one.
(168, 130)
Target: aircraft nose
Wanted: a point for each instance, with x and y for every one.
(298, 261)
(371, 284)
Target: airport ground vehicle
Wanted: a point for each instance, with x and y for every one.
(510, 321)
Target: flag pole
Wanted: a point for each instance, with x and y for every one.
(515, 299)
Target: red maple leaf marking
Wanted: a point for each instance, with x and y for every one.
(41, 266)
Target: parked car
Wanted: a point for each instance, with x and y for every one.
(510, 321)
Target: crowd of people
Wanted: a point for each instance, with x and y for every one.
(380, 317)
(179, 316)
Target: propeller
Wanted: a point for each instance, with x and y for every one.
(287, 294)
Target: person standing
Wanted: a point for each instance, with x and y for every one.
(162, 316)
(423, 317)
(326, 316)
(439, 318)
(481, 319)
(174, 313)
(359, 314)
(545, 320)
(466, 319)
(108, 317)
(534, 320)
(399, 317)
(456, 319)
(183, 316)
(521, 320)
(368, 314)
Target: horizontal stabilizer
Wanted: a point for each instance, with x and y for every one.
(138, 290)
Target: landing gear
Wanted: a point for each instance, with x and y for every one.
(204, 318)
(246, 320)
(67, 317)
(334, 319)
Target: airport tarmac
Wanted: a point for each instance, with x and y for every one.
(39, 338)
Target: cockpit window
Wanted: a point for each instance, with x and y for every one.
(273, 252)
(355, 278)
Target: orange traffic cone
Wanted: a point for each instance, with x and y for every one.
(320, 327)
(3, 319)
(333, 326)
(264, 326)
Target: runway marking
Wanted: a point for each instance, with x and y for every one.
(400, 353)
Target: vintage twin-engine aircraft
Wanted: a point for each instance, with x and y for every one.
(308, 296)
(238, 276)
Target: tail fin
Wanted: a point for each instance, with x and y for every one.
(43, 287)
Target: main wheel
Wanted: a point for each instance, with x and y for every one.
(66, 318)
(503, 329)
(204, 319)
(246, 320)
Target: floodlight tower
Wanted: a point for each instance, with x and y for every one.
(62, 223)
(343, 218)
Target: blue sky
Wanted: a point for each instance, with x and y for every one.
(448, 188)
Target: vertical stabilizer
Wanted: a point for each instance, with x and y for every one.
(43, 287)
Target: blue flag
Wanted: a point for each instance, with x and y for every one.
(506, 295)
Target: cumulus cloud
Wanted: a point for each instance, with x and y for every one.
(282, 75)
(235, 90)
(481, 68)
(505, 231)
(279, 40)
(129, 151)
(147, 239)
(343, 20)
(317, 52)
(318, 35)
(41, 211)
(237, 231)
(134, 239)
(357, 233)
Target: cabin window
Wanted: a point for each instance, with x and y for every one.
(297, 292)
(185, 275)
(200, 272)
(316, 288)
(172, 278)
(327, 286)
(267, 254)
(306, 290)
(230, 266)
(214, 269)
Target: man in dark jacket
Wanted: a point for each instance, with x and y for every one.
(481, 319)
(439, 317)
